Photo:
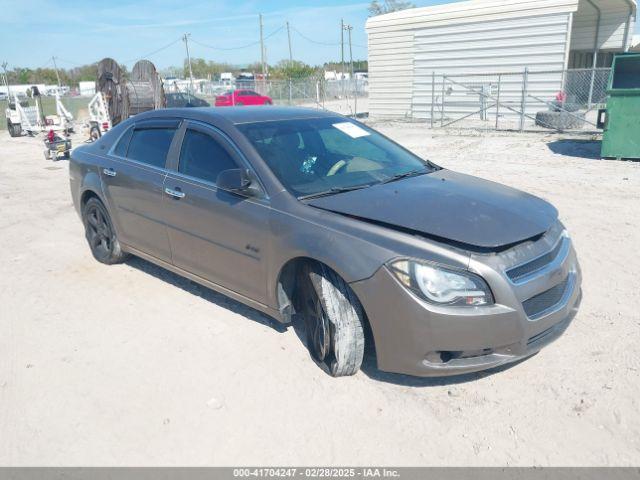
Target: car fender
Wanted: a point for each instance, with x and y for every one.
(91, 182)
(350, 257)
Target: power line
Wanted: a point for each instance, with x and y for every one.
(327, 44)
(70, 62)
(241, 46)
(202, 44)
(46, 64)
(154, 52)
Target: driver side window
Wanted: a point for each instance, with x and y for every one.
(203, 157)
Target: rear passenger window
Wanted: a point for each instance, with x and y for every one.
(203, 157)
(150, 145)
(123, 143)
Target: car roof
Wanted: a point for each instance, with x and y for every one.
(238, 115)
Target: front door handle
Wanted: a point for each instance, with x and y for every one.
(110, 172)
(174, 193)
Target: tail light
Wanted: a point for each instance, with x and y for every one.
(105, 126)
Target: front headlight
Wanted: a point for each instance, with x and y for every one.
(442, 286)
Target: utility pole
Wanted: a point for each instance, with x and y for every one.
(185, 38)
(342, 54)
(56, 68)
(290, 62)
(264, 69)
(289, 38)
(6, 81)
(352, 79)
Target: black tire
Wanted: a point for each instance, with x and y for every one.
(15, 129)
(94, 133)
(560, 120)
(333, 318)
(100, 234)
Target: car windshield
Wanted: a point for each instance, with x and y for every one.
(329, 155)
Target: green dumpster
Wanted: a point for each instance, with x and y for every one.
(621, 138)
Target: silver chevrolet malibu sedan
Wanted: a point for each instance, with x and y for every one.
(304, 214)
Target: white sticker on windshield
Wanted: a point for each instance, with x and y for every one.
(351, 129)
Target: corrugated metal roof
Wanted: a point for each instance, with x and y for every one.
(468, 11)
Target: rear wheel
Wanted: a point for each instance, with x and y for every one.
(333, 320)
(100, 233)
(94, 133)
(15, 129)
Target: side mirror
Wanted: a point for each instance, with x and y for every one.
(234, 180)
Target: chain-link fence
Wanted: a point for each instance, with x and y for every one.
(527, 100)
(348, 97)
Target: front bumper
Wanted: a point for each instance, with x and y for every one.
(416, 338)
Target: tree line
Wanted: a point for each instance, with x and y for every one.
(201, 68)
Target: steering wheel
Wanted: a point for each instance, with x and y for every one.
(336, 167)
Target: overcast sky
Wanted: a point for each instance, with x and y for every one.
(79, 32)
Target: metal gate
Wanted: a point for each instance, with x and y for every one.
(560, 100)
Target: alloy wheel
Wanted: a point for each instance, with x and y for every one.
(99, 233)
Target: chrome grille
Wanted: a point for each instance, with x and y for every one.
(536, 306)
(534, 265)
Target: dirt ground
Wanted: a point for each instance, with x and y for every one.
(133, 365)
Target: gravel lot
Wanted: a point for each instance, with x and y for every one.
(132, 365)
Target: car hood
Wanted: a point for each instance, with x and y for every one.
(449, 206)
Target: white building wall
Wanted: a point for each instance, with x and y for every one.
(498, 46)
(87, 88)
(479, 36)
(24, 89)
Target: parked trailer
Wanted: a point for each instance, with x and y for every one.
(99, 118)
(23, 118)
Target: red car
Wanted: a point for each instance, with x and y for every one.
(242, 97)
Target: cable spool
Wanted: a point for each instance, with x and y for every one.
(111, 84)
(145, 89)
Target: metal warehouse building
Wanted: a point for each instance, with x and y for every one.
(448, 55)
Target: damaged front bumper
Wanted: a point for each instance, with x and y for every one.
(417, 338)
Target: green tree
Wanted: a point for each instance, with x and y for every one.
(388, 6)
(295, 69)
(203, 69)
(358, 66)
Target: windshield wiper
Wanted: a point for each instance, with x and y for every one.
(333, 191)
(400, 176)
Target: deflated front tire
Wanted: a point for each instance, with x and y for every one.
(333, 319)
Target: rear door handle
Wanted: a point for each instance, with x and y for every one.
(174, 193)
(110, 172)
